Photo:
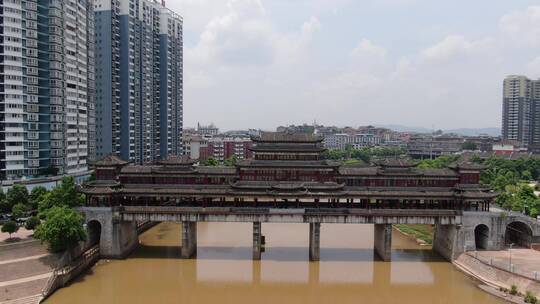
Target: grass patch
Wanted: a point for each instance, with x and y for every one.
(421, 232)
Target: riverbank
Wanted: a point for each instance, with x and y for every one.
(497, 278)
(423, 234)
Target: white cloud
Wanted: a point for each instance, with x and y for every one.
(311, 26)
(239, 37)
(522, 26)
(533, 68)
(451, 46)
(245, 70)
(366, 49)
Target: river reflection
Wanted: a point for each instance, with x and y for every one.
(224, 272)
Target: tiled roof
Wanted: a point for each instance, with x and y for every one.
(178, 160)
(372, 171)
(287, 137)
(292, 185)
(285, 163)
(216, 170)
(287, 148)
(136, 169)
(396, 162)
(110, 160)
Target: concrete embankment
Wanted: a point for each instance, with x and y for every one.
(494, 276)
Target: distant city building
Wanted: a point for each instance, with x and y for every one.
(521, 110)
(434, 146)
(46, 87)
(508, 148)
(192, 144)
(305, 128)
(139, 80)
(211, 130)
(222, 148)
(482, 143)
(356, 141)
(242, 133)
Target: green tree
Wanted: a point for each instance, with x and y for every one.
(231, 161)
(10, 227)
(352, 162)
(2, 194)
(32, 223)
(19, 210)
(65, 194)
(526, 175)
(5, 207)
(439, 162)
(212, 162)
(62, 229)
(37, 195)
(17, 194)
(333, 154)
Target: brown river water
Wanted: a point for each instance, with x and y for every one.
(224, 272)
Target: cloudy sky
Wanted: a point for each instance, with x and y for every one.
(428, 63)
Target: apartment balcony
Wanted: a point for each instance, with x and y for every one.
(14, 158)
(14, 166)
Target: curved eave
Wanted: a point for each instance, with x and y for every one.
(260, 149)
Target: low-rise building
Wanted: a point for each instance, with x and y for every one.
(434, 146)
(222, 148)
(192, 145)
(342, 140)
(210, 130)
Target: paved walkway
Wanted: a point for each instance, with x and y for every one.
(25, 267)
(26, 279)
(26, 300)
(34, 257)
(22, 233)
(525, 261)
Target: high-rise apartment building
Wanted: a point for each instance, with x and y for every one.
(139, 80)
(46, 86)
(521, 110)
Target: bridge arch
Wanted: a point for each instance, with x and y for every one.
(93, 229)
(519, 234)
(481, 237)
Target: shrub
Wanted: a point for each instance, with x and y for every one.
(10, 227)
(32, 223)
(513, 290)
(530, 298)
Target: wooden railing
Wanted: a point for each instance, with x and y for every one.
(270, 211)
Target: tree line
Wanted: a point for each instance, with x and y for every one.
(364, 155)
(52, 216)
(512, 179)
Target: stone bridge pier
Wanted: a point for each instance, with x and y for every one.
(485, 231)
(189, 240)
(383, 241)
(117, 239)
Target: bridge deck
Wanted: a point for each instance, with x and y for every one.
(307, 215)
